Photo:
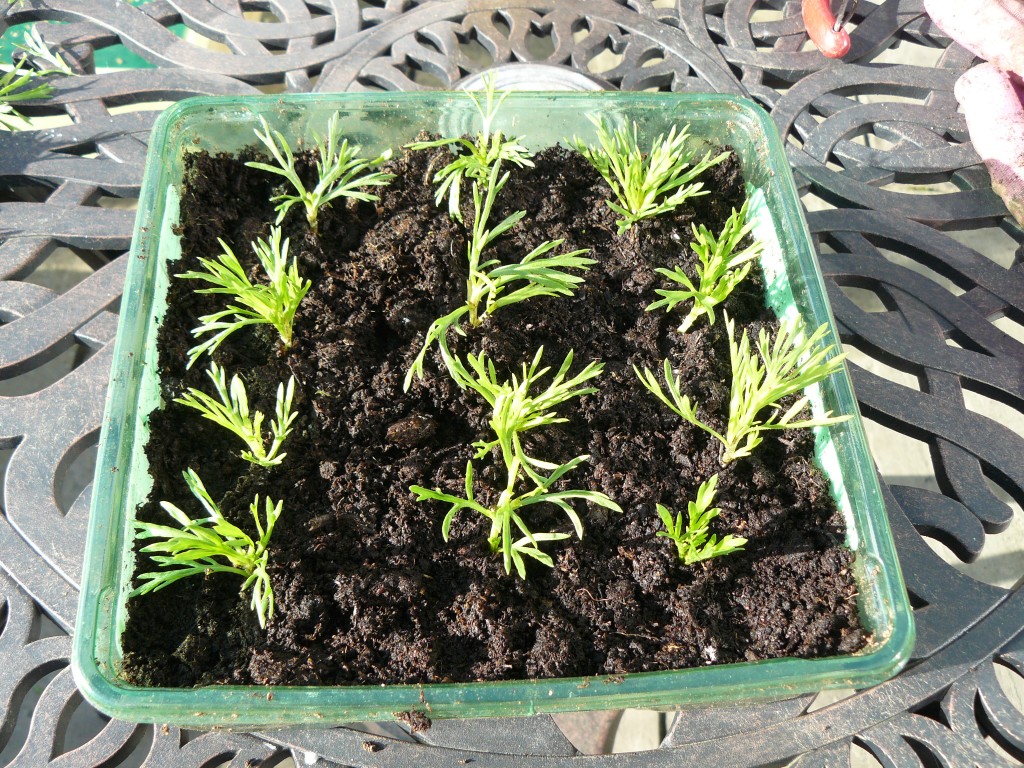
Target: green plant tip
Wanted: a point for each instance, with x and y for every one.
(475, 160)
(340, 171)
(785, 366)
(14, 84)
(645, 184)
(274, 303)
(720, 268)
(516, 410)
(489, 282)
(692, 541)
(36, 47)
(231, 411)
(212, 544)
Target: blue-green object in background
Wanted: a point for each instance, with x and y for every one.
(114, 57)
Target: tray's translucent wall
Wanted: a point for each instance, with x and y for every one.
(379, 121)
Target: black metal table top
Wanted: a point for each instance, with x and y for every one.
(904, 198)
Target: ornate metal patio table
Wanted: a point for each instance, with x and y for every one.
(898, 194)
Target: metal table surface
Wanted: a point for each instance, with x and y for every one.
(901, 203)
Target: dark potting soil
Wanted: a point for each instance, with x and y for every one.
(367, 590)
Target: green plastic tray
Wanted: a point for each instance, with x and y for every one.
(378, 121)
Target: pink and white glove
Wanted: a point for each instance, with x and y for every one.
(990, 94)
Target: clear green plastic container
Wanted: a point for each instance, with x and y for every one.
(379, 121)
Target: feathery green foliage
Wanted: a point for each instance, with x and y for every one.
(475, 160)
(488, 279)
(210, 544)
(692, 541)
(231, 411)
(537, 273)
(13, 89)
(514, 411)
(340, 171)
(719, 269)
(648, 184)
(759, 384)
(274, 303)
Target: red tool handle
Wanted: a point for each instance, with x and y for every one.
(831, 39)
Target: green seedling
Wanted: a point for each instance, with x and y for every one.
(786, 366)
(211, 544)
(340, 171)
(648, 184)
(274, 303)
(488, 279)
(537, 274)
(692, 541)
(231, 411)
(514, 410)
(13, 89)
(475, 160)
(720, 268)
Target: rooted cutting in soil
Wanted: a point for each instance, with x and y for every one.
(367, 591)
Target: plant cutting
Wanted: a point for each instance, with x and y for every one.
(691, 536)
(515, 411)
(787, 366)
(720, 268)
(488, 279)
(13, 88)
(648, 183)
(34, 45)
(194, 547)
(389, 590)
(16, 77)
(476, 160)
(340, 172)
(231, 411)
(274, 303)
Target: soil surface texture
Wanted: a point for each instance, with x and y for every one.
(367, 591)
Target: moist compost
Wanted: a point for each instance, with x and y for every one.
(367, 591)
